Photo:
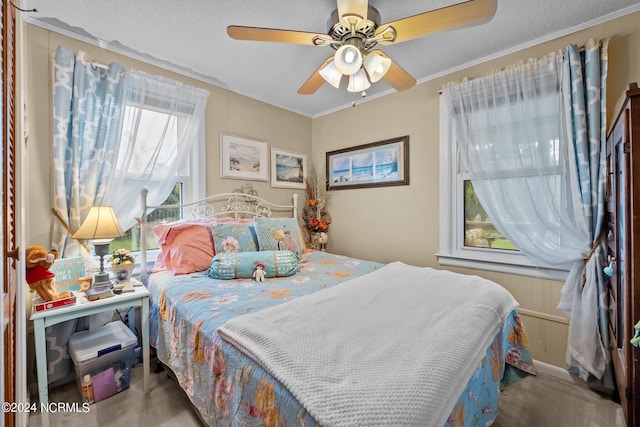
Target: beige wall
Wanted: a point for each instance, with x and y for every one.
(383, 224)
(402, 223)
(226, 112)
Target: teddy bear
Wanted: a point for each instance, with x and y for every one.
(39, 277)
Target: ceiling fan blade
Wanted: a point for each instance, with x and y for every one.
(352, 11)
(314, 82)
(470, 12)
(396, 76)
(275, 35)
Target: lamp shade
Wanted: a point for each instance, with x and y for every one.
(100, 223)
(358, 82)
(331, 74)
(348, 59)
(376, 66)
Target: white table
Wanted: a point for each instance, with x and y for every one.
(82, 308)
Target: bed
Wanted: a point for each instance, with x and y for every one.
(325, 339)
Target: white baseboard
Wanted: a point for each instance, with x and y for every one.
(554, 371)
(564, 375)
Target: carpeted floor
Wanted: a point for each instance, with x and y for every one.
(547, 401)
(543, 401)
(164, 406)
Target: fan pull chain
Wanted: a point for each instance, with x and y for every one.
(22, 10)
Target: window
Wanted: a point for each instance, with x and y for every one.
(150, 142)
(467, 236)
(131, 240)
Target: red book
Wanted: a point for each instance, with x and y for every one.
(41, 304)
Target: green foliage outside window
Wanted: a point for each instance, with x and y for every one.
(479, 231)
(131, 239)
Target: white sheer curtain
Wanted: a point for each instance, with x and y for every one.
(163, 121)
(511, 141)
(511, 128)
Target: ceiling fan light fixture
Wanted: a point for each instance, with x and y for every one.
(331, 74)
(348, 59)
(376, 66)
(358, 81)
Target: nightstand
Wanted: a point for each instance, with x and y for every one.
(82, 308)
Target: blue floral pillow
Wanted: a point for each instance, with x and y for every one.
(279, 234)
(233, 237)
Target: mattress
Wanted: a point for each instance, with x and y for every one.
(228, 388)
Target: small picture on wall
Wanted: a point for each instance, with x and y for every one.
(288, 169)
(243, 158)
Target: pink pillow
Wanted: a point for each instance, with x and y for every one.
(184, 244)
(185, 248)
(161, 231)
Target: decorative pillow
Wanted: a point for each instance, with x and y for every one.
(241, 265)
(279, 234)
(161, 230)
(186, 247)
(238, 236)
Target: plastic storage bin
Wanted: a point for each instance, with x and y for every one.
(106, 354)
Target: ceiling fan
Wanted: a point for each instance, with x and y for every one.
(355, 29)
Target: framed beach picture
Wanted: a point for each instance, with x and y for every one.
(377, 164)
(288, 169)
(243, 158)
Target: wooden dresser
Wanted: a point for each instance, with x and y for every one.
(623, 237)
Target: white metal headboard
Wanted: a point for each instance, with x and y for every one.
(235, 205)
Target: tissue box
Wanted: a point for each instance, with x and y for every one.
(106, 353)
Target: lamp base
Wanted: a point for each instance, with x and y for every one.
(101, 279)
(101, 287)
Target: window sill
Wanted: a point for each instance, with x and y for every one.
(500, 267)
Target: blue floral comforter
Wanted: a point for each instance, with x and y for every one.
(227, 388)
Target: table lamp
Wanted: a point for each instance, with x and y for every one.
(101, 227)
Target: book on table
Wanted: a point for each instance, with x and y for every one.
(41, 305)
(96, 293)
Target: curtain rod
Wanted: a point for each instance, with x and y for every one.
(99, 65)
(581, 48)
(94, 64)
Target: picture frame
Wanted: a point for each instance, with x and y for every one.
(377, 164)
(288, 169)
(243, 158)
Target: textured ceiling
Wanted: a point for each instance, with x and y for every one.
(190, 37)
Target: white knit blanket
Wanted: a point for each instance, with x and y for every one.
(393, 347)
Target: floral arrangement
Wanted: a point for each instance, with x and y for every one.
(122, 257)
(316, 225)
(315, 214)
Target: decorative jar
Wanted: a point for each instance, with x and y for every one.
(122, 272)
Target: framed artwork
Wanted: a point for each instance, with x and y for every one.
(288, 169)
(243, 158)
(377, 164)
